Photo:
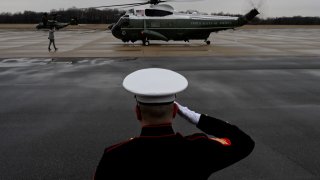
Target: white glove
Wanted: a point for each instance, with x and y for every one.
(187, 114)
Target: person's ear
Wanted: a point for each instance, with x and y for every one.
(175, 110)
(138, 113)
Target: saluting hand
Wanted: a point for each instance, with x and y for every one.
(187, 114)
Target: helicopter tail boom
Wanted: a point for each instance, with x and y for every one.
(248, 17)
(252, 14)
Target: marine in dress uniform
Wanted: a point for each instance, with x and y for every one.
(161, 153)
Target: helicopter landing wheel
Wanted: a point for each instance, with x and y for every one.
(208, 42)
(146, 43)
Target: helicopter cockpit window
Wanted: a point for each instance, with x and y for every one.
(157, 12)
(140, 13)
(130, 11)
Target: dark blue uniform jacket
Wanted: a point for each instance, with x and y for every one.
(160, 153)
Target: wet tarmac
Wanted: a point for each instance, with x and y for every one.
(57, 116)
(97, 43)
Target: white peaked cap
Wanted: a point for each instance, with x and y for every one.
(155, 85)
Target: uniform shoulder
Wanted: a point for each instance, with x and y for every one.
(196, 136)
(118, 145)
(200, 137)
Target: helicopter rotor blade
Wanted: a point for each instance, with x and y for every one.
(139, 4)
(164, 1)
(121, 5)
(130, 6)
(182, 0)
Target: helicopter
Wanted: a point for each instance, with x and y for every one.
(162, 22)
(48, 24)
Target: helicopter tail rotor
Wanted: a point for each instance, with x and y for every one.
(260, 5)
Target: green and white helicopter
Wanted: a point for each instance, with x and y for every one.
(161, 22)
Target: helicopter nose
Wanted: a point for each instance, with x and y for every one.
(110, 26)
(116, 31)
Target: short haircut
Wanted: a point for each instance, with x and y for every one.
(156, 112)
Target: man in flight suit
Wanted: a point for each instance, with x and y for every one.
(159, 152)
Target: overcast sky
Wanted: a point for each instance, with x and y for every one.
(270, 8)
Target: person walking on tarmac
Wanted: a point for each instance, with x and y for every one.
(159, 152)
(51, 39)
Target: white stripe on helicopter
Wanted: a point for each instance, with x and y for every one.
(174, 28)
(185, 17)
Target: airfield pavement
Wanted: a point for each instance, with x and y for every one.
(58, 111)
(100, 43)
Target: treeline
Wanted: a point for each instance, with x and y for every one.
(296, 20)
(84, 16)
(107, 16)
